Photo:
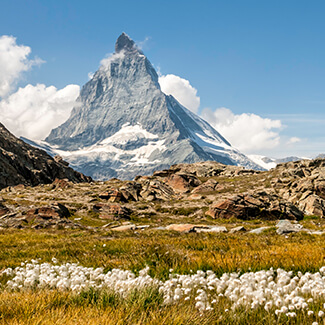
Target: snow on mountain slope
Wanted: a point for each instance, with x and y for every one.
(124, 125)
(263, 161)
(268, 163)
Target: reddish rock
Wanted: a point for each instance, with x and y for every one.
(210, 185)
(61, 183)
(3, 210)
(112, 211)
(260, 205)
(182, 182)
(116, 196)
(104, 195)
(19, 187)
(113, 195)
(195, 197)
(53, 212)
(183, 227)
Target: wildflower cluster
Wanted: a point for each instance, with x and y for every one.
(71, 276)
(276, 291)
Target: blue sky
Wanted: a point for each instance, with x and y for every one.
(260, 57)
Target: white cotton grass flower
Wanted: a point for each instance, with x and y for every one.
(276, 291)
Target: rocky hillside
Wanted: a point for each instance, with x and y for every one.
(204, 196)
(21, 163)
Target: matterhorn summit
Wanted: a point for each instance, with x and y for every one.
(123, 125)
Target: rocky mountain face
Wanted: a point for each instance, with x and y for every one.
(21, 163)
(123, 124)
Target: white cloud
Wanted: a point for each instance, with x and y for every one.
(104, 63)
(13, 61)
(141, 44)
(247, 132)
(33, 111)
(293, 140)
(182, 90)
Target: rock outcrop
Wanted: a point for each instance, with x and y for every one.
(52, 216)
(303, 184)
(185, 198)
(259, 205)
(21, 163)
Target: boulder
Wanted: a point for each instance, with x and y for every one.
(116, 196)
(55, 211)
(210, 185)
(286, 227)
(182, 227)
(131, 191)
(257, 205)
(112, 211)
(213, 229)
(312, 204)
(182, 182)
(104, 195)
(154, 189)
(186, 228)
(112, 195)
(195, 197)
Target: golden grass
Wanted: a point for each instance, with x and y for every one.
(160, 250)
(53, 307)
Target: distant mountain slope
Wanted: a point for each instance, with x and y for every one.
(21, 163)
(268, 163)
(124, 125)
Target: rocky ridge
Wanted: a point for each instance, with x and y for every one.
(21, 163)
(200, 197)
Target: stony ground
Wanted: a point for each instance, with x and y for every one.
(204, 216)
(199, 197)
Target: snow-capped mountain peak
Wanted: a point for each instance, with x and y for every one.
(124, 125)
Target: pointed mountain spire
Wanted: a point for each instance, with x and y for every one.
(123, 109)
(124, 42)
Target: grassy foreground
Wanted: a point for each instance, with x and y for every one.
(161, 251)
